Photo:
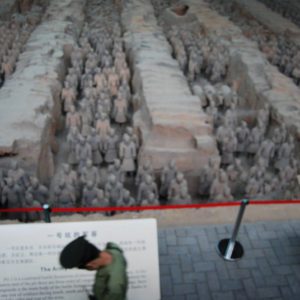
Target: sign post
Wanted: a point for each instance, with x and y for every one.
(231, 249)
(47, 211)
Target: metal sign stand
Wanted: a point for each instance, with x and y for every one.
(230, 249)
(47, 211)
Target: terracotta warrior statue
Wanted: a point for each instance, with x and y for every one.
(68, 95)
(110, 146)
(73, 118)
(31, 216)
(182, 197)
(144, 169)
(12, 195)
(145, 187)
(64, 195)
(39, 192)
(177, 184)
(127, 153)
(207, 176)
(220, 191)
(150, 199)
(120, 110)
(113, 191)
(95, 141)
(90, 193)
(168, 174)
(90, 173)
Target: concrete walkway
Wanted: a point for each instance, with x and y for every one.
(190, 267)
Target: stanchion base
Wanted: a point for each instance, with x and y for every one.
(237, 252)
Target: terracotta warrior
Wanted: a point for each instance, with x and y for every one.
(192, 65)
(127, 200)
(264, 115)
(90, 91)
(110, 146)
(12, 195)
(182, 197)
(113, 191)
(90, 193)
(231, 116)
(120, 110)
(285, 153)
(145, 187)
(223, 132)
(133, 137)
(208, 174)
(113, 81)
(212, 111)
(254, 140)
(168, 174)
(69, 176)
(125, 73)
(68, 95)
(86, 121)
(252, 188)
(18, 175)
(31, 216)
(127, 153)
(99, 80)
(210, 94)
(143, 170)
(6, 67)
(103, 126)
(287, 177)
(124, 91)
(83, 153)
(220, 191)
(177, 184)
(90, 173)
(107, 106)
(150, 199)
(2, 176)
(237, 177)
(242, 135)
(277, 139)
(266, 151)
(228, 149)
(73, 139)
(116, 170)
(95, 141)
(258, 170)
(39, 192)
(73, 118)
(64, 195)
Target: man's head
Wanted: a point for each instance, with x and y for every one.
(80, 254)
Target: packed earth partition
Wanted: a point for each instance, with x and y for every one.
(30, 98)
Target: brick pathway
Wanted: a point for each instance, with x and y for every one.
(191, 269)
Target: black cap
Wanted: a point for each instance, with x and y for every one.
(78, 253)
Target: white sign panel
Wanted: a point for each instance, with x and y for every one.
(29, 259)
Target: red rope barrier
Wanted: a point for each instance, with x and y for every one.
(135, 208)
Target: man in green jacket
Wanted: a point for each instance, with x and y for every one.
(111, 280)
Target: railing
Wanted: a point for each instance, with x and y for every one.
(139, 208)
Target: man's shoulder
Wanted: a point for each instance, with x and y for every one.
(110, 246)
(117, 269)
(117, 253)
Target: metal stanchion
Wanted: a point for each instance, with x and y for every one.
(230, 249)
(47, 211)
